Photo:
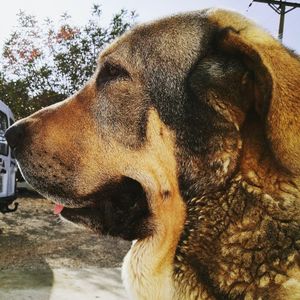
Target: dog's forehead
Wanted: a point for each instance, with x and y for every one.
(175, 40)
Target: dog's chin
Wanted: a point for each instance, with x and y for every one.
(117, 208)
(120, 208)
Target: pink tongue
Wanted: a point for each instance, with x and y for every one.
(58, 208)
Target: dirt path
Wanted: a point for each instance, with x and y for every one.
(34, 238)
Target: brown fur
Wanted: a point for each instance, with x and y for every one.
(186, 141)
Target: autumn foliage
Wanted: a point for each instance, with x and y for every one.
(43, 63)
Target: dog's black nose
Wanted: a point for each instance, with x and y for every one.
(14, 135)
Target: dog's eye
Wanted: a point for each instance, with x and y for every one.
(110, 72)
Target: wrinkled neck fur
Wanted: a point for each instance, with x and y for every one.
(260, 169)
(240, 240)
(208, 217)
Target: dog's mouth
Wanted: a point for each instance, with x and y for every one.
(120, 208)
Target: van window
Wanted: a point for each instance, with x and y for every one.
(3, 127)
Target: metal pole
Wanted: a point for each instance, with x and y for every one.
(280, 7)
(279, 2)
(281, 23)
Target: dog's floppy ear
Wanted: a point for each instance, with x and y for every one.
(277, 82)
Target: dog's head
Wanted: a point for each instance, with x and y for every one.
(174, 110)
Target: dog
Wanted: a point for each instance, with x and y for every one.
(186, 142)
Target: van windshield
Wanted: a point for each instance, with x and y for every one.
(3, 127)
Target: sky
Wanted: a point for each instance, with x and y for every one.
(147, 10)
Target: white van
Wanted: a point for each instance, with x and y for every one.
(8, 165)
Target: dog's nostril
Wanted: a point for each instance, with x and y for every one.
(14, 135)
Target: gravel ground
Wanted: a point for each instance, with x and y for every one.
(33, 238)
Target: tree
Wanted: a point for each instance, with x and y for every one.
(14, 94)
(44, 63)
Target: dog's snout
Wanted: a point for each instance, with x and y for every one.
(15, 134)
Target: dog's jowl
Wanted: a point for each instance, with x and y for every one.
(185, 141)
